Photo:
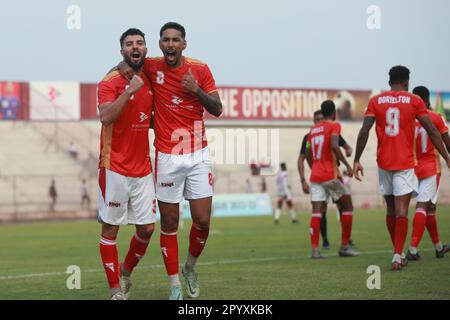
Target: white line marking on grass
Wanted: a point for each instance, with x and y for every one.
(234, 261)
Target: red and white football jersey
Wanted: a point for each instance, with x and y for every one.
(428, 158)
(124, 146)
(395, 114)
(179, 126)
(324, 166)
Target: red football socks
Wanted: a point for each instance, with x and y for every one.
(420, 219)
(314, 229)
(346, 225)
(169, 248)
(390, 222)
(197, 240)
(401, 231)
(432, 227)
(108, 252)
(136, 251)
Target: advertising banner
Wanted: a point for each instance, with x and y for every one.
(54, 101)
(12, 106)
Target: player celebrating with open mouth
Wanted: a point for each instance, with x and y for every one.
(183, 88)
(126, 184)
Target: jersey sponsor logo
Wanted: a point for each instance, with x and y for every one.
(113, 204)
(143, 116)
(176, 100)
(167, 184)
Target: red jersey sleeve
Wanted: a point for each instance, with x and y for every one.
(419, 107)
(146, 69)
(441, 125)
(370, 110)
(106, 92)
(208, 83)
(336, 129)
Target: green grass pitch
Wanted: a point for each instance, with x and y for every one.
(245, 258)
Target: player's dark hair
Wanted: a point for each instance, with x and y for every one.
(328, 108)
(398, 74)
(131, 32)
(422, 92)
(173, 25)
(283, 166)
(317, 112)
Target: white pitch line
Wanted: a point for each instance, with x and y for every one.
(235, 261)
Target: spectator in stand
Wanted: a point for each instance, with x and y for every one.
(85, 199)
(263, 185)
(53, 194)
(73, 150)
(248, 186)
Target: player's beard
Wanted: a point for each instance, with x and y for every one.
(134, 66)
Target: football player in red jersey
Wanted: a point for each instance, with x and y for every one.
(126, 184)
(395, 113)
(183, 88)
(428, 171)
(322, 151)
(318, 117)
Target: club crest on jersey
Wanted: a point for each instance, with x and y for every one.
(176, 100)
(143, 116)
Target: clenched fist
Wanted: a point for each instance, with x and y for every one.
(135, 84)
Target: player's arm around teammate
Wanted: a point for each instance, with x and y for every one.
(126, 185)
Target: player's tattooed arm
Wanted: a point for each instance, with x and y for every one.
(109, 112)
(435, 136)
(210, 101)
(361, 143)
(339, 155)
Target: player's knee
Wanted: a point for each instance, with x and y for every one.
(202, 223)
(431, 207)
(169, 224)
(145, 231)
(109, 231)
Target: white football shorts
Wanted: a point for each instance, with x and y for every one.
(322, 191)
(183, 175)
(126, 200)
(398, 183)
(429, 189)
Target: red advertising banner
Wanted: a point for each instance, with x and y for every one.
(14, 100)
(88, 101)
(269, 104)
(240, 104)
